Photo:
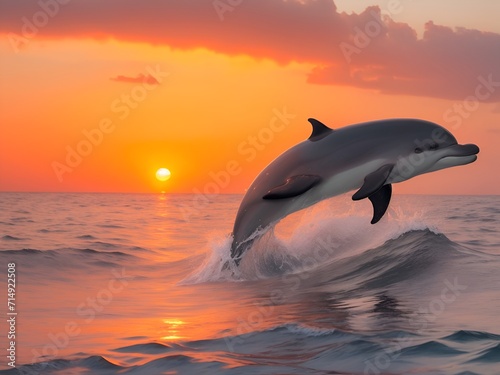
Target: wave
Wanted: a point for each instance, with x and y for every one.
(309, 331)
(489, 355)
(92, 363)
(86, 237)
(26, 252)
(64, 251)
(110, 226)
(409, 256)
(149, 348)
(385, 250)
(43, 262)
(293, 348)
(22, 219)
(468, 336)
(12, 238)
(431, 349)
(45, 230)
(105, 245)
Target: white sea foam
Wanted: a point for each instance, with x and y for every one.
(307, 240)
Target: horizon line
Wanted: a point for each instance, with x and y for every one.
(187, 193)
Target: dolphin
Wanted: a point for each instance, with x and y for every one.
(366, 157)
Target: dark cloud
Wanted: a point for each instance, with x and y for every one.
(366, 50)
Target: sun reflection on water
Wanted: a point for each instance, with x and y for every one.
(172, 329)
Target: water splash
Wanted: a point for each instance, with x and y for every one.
(303, 242)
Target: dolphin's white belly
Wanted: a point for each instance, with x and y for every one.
(340, 183)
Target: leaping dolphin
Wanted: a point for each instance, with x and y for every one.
(368, 156)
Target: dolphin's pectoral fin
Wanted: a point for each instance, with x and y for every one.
(375, 189)
(373, 182)
(380, 201)
(320, 130)
(293, 187)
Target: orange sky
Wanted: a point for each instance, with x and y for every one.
(97, 95)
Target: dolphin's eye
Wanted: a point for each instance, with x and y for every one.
(433, 146)
(418, 150)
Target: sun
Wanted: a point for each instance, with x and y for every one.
(162, 174)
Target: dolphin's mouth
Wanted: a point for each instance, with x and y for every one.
(456, 155)
(460, 154)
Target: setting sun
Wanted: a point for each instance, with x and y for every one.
(162, 174)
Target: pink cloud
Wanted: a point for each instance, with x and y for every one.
(365, 50)
(445, 63)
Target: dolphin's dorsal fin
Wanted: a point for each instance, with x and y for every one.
(293, 187)
(320, 130)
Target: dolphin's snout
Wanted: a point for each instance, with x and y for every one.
(463, 150)
(471, 149)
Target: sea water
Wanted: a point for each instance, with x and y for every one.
(136, 284)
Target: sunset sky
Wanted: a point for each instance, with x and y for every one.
(96, 95)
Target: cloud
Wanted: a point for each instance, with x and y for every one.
(445, 63)
(367, 50)
(141, 78)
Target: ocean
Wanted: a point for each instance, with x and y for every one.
(136, 284)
